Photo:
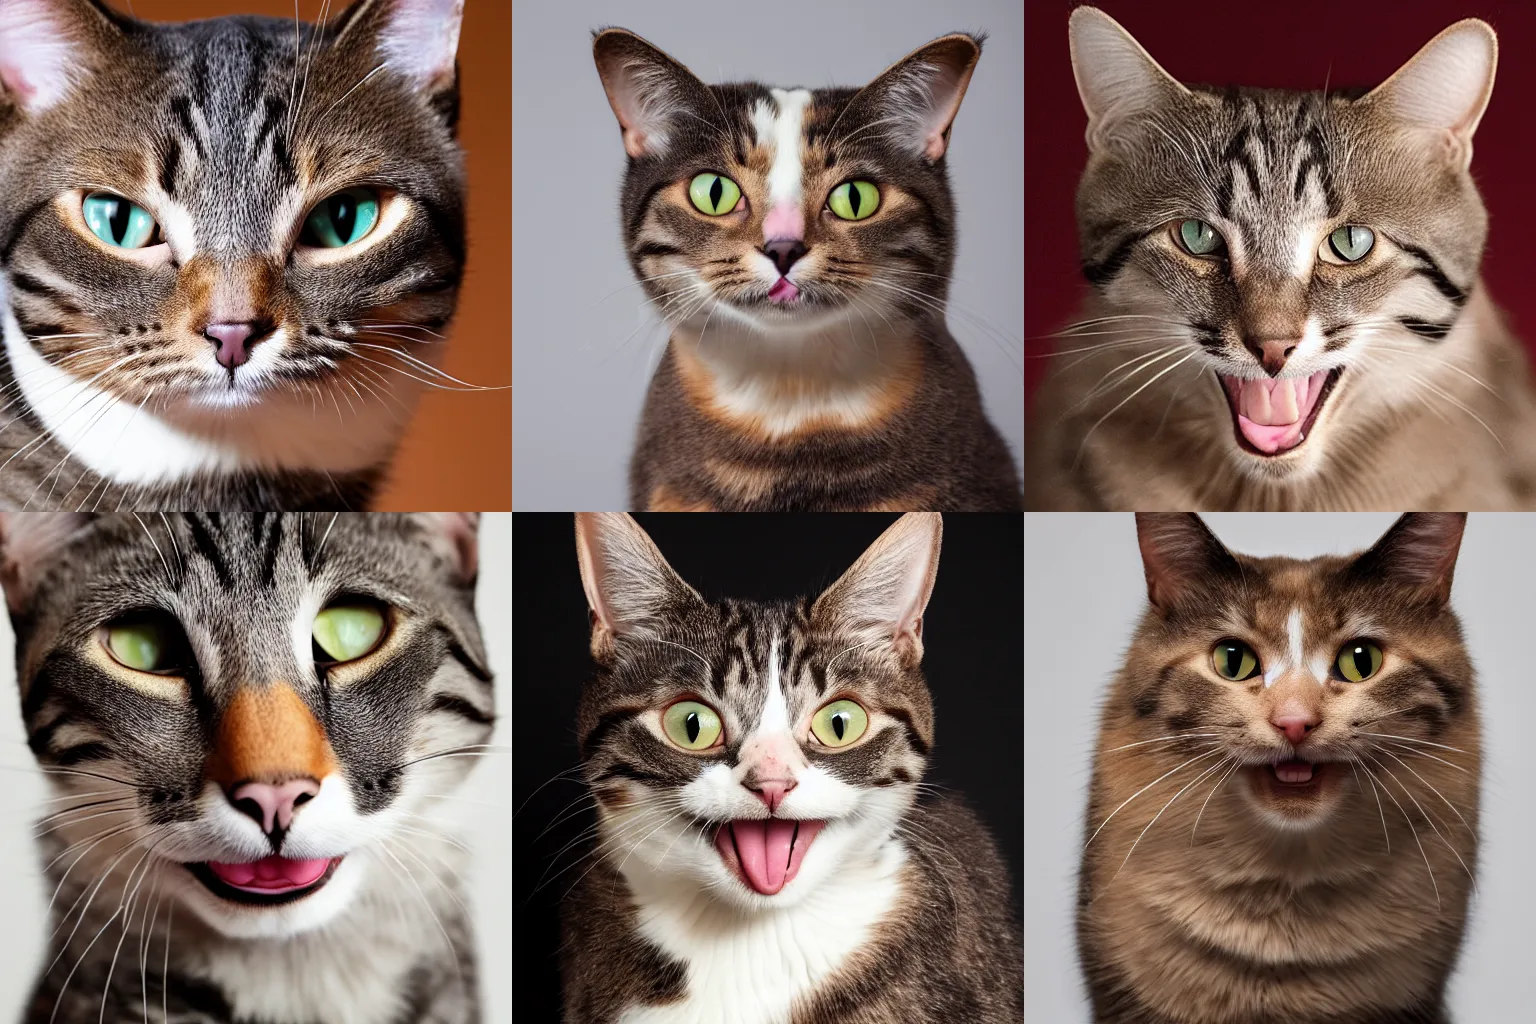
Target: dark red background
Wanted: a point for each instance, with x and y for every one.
(1297, 44)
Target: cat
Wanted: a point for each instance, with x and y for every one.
(1286, 311)
(800, 243)
(229, 249)
(249, 722)
(762, 855)
(1282, 824)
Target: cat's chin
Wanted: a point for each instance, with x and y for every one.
(1294, 795)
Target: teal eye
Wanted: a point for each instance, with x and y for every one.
(854, 200)
(713, 193)
(121, 223)
(346, 632)
(1200, 239)
(1348, 244)
(342, 219)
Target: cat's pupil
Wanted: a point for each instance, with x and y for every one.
(691, 725)
(118, 219)
(855, 198)
(343, 215)
(1362, 661)
(840, 720)
(716, 190)
(1234, 661)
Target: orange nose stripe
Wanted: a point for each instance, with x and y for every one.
(269, 735)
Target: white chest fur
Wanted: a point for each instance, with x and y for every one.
(751, 968)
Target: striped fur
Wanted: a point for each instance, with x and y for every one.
(229, 132)
(141, 765)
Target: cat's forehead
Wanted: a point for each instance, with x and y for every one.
(1287, 597)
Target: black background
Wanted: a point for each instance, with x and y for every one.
(973, 660)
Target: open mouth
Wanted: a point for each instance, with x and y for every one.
(266, 882)
(1274, 415)
(765, 853)
(1293, 778)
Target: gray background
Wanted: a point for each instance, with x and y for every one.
(584, 340)
(1083, 592)
(487, 830)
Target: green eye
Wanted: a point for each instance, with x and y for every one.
(1351, 243)
(691, 725)
(119, 222)
(839, 723)
(1358, 660)
(1234, 660)
(713, 193)
(346, 632)
(1200, 239)
(140, 645)
(854, 200)
(342, 219)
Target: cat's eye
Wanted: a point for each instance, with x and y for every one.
(854, 200)
(147, 641)
(342, 219)
(121, 223)
(347, 630)
(714, 194)
(1358, 660)
(1348, 244)
(1199, 239)
(1235, 660)
(839, 723)
(691, 725)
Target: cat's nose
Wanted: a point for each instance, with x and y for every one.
(272, 806)
(772, 792)
(1295, 725)
(233, 342)
(1272, 353)
(784, 252)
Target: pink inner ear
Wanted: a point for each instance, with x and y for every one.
(37, 62)
(421, 39)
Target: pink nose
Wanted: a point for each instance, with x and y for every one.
(273, 806)
(1295, 727)
(233, 342)
(772, 792)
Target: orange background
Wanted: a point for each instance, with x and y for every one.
(457, 453)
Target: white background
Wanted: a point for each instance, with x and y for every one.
(1083, 593)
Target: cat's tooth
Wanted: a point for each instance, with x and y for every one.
(1258, 402)
(1283, 402)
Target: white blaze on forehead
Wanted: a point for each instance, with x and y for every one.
(1306, 251)
(780, 128)
(775, 716)
(1296, 653)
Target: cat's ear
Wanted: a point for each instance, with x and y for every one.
(883, 595)
(456, 537)
(46, 48)
(415, 38)
(1181, 556)
(1445, 87)
(647, 89)
(629, 584)
(919, 96)
(1418, 553)
(1116, 78)
(29, 543)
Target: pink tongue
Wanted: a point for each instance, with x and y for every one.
(783, 290)
(769, 851)
(1271, 412)
(270, 874)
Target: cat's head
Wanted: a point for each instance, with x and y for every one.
(257, 714)
(1307, 681)
(206, 215)
(1305, 255)
(784, 210)
(752, 751)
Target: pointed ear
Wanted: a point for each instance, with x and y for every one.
(1116, 79)
(883, 595)
(1181, 556)
(418, 39)
(919, 95)
(1418, 553)
(629, 584)
(29, 544)
(456, 537)
(646, 89)
(46, 49)
(1445, 87)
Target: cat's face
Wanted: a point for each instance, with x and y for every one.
(1303, 681)
(1302, 257)
(257, 714)
(786, 210)
(749, 750)
(212, 214)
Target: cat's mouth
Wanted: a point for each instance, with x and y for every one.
(765, 853)
(1292, 779)
(267, 882)
(1272, 416)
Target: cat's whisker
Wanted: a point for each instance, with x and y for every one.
(453, 949)
(1219, 783)
(1412, 829)
(1430, 818)
(1100, 421)
(1454, 810)
(1171, 737)
(1200, 757)
(1207, 772)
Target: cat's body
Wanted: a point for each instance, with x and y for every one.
(1388, 378)
(228, 249)
(158, 775)
(891, 910)
(1212, 891)
(810, 367)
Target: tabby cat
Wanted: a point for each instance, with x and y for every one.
(1282, 824)
(228, 249)
(249, 723)
(1286, 307)
(763, 857)
(800, 243)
